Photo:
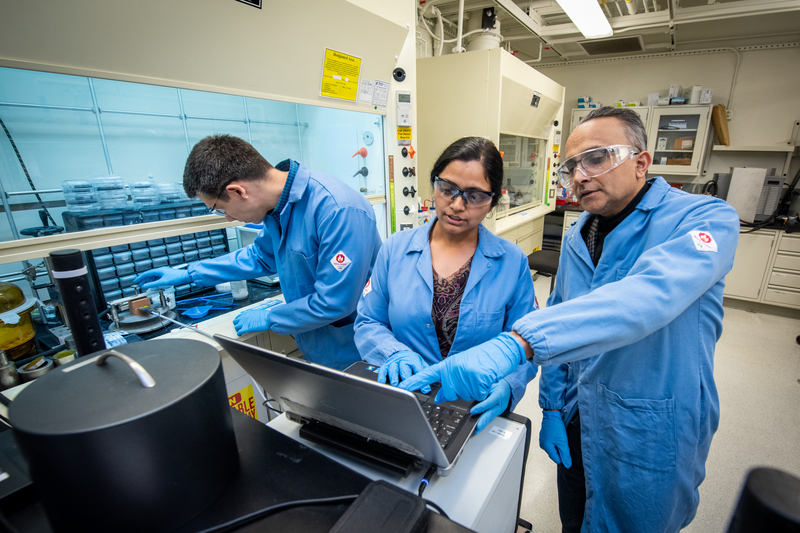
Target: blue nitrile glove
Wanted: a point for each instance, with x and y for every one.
(494, 405)
(402, 365)
(162, 277)
(470, 374)
(553, 438)
(252, 320)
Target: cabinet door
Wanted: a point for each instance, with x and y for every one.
(752, 257)
(677, 137)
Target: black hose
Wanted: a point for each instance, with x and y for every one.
(24, 169)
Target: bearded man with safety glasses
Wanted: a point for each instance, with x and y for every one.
(627, 340)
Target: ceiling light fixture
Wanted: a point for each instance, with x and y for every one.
(588, 17)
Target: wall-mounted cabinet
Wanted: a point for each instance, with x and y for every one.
(676, 136)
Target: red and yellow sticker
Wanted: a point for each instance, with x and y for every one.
(244, 401)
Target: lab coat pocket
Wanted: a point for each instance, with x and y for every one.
(639, 432)
(488, 326)
(302, 268)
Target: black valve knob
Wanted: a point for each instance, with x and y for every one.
(406, 210)
(412, 191)
(404, 151)
(405, 171)
(364, 172)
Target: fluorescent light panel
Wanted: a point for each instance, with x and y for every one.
(588, 17)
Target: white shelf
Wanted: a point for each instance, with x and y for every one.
(675, 130)
(670, 151)
(753, 148)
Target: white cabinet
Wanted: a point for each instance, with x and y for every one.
(676, 136)
(578, 114)
(492, 94)
(753, 255)
(783, 281)
(766, 269)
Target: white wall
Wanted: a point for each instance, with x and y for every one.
(765, 99)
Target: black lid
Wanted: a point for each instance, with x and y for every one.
(82, 396)
(66, 260)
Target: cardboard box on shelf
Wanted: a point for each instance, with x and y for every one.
(677, 100)
(679, 161)
(652, 99)
(705, 96)
(620, 103)
(683, 143)
(664, 100)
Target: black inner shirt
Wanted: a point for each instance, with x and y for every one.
(607, 224)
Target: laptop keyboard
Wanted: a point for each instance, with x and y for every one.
(445, 418)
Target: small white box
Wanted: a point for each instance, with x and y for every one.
(664, 100)
(663, 160)
(652, 99)
(584, 99)
(620, 103)
(705, 96)
(692, 94)
(661, 144)
(675, 90)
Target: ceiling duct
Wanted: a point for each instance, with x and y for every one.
(617, 45)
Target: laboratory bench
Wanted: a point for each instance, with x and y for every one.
(273, 469)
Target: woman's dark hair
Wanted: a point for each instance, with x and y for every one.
(218, 159)
(474, 149)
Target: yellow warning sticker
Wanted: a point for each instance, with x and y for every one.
(244, 401)
(340, 73)
(404, 134)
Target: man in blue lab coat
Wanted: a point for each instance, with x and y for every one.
(626, 341)
(319, 236)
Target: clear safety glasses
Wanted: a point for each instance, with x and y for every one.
(449, 190)
(594, 162)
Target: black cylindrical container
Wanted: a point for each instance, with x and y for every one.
(71, 277)
(107, 452)
(770, 501)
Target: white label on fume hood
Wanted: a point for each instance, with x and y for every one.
(365, 92)
(381, 93)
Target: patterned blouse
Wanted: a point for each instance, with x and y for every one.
(447, 293)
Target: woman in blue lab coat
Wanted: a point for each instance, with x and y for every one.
(449, 285)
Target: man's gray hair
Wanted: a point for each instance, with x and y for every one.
(634, 127)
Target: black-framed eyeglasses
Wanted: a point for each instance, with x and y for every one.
(474, 197)
(221, 211)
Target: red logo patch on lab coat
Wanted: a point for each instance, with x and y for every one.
(367, 288)
(703, 241)
(340, 261)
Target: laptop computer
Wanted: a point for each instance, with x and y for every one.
(353, 413)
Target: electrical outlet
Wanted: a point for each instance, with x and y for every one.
(729, 114)
(406, 226)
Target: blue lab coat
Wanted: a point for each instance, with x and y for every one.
(394, 313)
(637, 334)
(322, 218)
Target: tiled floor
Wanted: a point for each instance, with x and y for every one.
(757, 370)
